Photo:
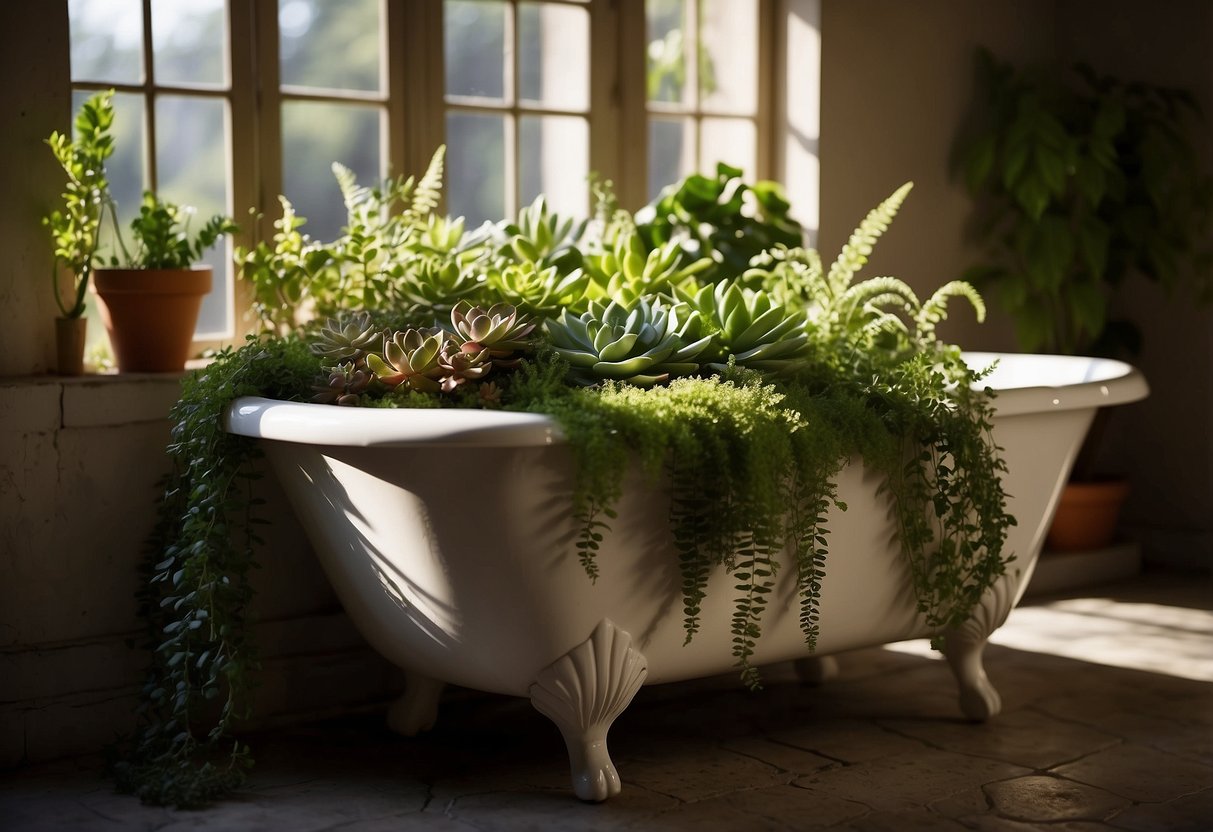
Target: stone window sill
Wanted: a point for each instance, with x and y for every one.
(46, 403)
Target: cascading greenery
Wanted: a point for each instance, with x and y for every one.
(749, 388)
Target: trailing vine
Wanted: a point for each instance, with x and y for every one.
(750, 392)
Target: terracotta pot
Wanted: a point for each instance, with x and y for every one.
(69, 345)
(150, 315)
(1086, 516)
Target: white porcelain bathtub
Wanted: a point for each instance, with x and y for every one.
(447, 537)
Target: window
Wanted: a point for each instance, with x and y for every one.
(224, 105)
(168, 63)
(701, 87)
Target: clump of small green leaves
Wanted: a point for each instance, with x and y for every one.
(162, 236)
(197, 591)
(75, 229)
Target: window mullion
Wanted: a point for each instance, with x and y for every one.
(629, 96)
(149, 113)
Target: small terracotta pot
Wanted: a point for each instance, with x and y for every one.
(1086, 516)
(69, 345)
(150, 315)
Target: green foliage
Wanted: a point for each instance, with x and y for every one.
(75, 229)
(720, 217)
(161, 231)
(197, 588)
(162, 236)
(1079, 182)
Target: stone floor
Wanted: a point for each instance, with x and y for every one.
(1107, 724)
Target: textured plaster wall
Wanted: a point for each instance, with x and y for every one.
(79, 477)
(896, 79)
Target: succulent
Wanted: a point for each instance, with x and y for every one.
(500, 328)
(542, 238)
(434, 284)
(751, 327)
(642, 343)
(458, 364)
(411, 358)
(627, 271)
(543, 292)
(347, 339)
(344, 385)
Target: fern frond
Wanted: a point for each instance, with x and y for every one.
(855, 253)
(428, 193)
(936, 307)
(873, 294)
(352, 193)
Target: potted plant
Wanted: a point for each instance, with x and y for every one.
(1081, 182)
(632, 347)
(76, 228)
(150, 298)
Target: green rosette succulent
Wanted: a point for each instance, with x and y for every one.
(758, 332)
(643, 342)
(542, 238)
(410, 358)
(434, 284)
(348, 338)
(543, 292)
(501, 328)
(627, 271)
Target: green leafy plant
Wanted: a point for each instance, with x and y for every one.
(750, 393)
(1080, 181)
(720, 217)
(162, 236)
(76, 229)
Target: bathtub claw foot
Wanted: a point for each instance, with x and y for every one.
(816, 670)
(417, 708)
(583, 692)
(979, 700)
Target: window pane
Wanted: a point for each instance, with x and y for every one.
(476, 167)
(188, 42)
(192, 167)
(728, 56)
(475, 48)
(729, 140)
(107, 40)
(330, 45)
(124, 169)
(554, 160)
(667, 64)
(553, 56)
(314, 135)
(671, 151)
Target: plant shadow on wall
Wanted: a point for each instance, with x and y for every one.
(748, 379)
(149, 295)
(1082, 183)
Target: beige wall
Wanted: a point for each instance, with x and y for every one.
(896, 77)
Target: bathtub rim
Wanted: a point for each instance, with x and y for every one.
(1109, 382)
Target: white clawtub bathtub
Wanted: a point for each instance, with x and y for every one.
(448, 538)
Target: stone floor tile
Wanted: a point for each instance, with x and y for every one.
(1184, 728)
(695, 771)
(635, 807)
(1190, 813)
(846, 740)
(908, 781)
(1025, 737)
(780, 755)
(920, 820)
(1051, 799)
(1140, 774)
(994, 823)
(776, 808)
